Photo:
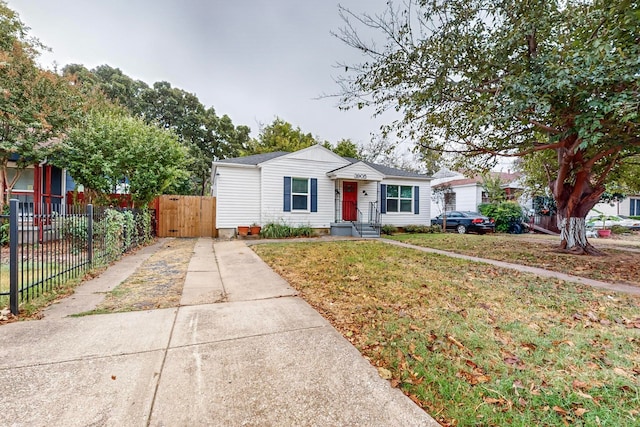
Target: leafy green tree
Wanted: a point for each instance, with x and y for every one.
(482, 78)
(345, 148)
(111, 148)
(492, 185)
(279, 136)
(205, 135)
(36, 106)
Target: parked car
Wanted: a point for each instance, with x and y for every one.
(633, 224)
(464, 222)
(603, 221)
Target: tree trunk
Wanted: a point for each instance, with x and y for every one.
(573, 236)
(576, 192)
(3, 184)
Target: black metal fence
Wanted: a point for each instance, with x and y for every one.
(46, 245)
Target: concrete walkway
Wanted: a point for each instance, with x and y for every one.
(241, 350)
(618, 287)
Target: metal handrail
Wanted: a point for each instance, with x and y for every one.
(358, 223)
(374, 214)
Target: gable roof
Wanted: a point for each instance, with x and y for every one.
(254, 159)
(387, 171)
(355, 167)
(506, 178)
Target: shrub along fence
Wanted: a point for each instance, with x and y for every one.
(46, 247)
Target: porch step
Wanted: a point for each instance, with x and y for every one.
(369, 232)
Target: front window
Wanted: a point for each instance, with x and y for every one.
(300, 194)
(449, 201)
(24, 182)
(485, 197)
(634, 208)
(399, 198)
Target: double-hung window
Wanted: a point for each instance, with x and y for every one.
(399, 198)
(299, 194)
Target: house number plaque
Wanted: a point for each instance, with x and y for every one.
(360, 175)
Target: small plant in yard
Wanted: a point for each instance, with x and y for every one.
(618, 229)
(281, 230)
(422, 229)
(504, 213)
(74, 229)
(388, 229)
(474, 344)
(4, 232)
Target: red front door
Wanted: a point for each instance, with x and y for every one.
(349, 201)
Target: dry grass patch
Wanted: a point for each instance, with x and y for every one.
(618, 266)
(471, 343)
(156, 284)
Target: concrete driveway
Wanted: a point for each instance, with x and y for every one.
(241, 350)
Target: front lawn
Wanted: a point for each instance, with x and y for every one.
(617, 266)
(471, 343)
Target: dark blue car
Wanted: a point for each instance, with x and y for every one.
(466, 222)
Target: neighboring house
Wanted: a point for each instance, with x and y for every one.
(629, 206)
(461, 193)
(36, 185)
(318, 188)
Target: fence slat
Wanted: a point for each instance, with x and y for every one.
(13, 256)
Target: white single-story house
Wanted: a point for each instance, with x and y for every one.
(461, 193)
(317, 188)
(629, 206)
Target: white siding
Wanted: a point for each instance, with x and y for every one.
(467, 197)
(349, 173)
(273, 173)
(400, 219)
(318, 153)
(238, 196)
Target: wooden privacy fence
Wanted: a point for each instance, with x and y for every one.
(186, 216)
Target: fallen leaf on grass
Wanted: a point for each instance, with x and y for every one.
(584, 395)
(621, 372)
(385, 374)
(559, 410)
(474, 378)
(566, 342)
(579, 384)
(418, 358)
(456, 342)
(580, 412)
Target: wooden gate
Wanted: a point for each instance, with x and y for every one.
(186, 216)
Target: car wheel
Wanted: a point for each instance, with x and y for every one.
(461, 229)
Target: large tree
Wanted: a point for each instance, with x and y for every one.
(482, 78)
(206, 135)
(110, 148)
(36, 106)
(280, 135)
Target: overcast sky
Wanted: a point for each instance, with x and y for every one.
(250, 59)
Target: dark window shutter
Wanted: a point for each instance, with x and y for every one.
(287, 194)
(383, 198)
(416, 200)
(314, 195)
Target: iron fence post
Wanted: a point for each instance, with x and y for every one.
(90, 234)
(13, 256)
